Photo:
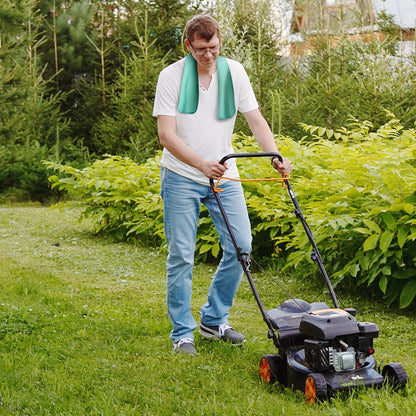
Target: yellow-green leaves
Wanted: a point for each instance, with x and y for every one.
(371, 242)
(408, 293)
(385, 240)
(356, 189)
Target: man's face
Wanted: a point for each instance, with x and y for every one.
(205, 52)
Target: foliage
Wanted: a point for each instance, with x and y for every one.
(23, 175)
(356, 189)
(30, 116)
(353, 79)
(30, 112)
(255, 24)
(67, 50)
(86, 44)
(120, 196)
(332, 75)
(128, 127)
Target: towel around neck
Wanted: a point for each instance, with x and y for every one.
(189, 96)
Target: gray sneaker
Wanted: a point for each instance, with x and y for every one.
(185, 345)
(223, 331)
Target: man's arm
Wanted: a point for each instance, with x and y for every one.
(264, 136)
(169, 139)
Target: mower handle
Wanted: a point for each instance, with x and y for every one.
(315, 252)
(264, 154)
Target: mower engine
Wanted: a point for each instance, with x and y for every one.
(336, 341)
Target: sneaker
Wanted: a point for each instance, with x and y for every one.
(185, 345)
(223, 331)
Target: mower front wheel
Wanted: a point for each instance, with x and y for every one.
(315, 388)
(395, 376)
(272, 369)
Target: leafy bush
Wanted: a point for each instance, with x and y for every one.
(22, 174)
(356, 190)
(120, 196)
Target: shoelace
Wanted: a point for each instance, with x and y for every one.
(185, 341)
(222, 328)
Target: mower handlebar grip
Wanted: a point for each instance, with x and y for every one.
(264, 154)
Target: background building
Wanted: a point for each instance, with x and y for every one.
(356, 18)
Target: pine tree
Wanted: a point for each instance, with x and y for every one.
(30, 115)
(128, 127)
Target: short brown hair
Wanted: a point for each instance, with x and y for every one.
(204, 26)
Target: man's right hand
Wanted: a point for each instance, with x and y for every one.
(213, 169)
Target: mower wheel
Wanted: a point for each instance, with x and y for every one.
(315, 388)
(395, 376)
(272, 369)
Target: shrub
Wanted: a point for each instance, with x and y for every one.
(120, 197)
(356, 190)
(23, 176)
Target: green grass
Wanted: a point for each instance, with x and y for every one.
(84, 331)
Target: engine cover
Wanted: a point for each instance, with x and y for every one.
(326, 324)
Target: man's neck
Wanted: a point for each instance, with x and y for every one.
(205, 74)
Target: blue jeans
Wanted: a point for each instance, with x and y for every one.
(182, 200)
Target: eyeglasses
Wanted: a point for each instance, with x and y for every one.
(203, 51)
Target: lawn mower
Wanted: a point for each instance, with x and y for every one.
(321, 350)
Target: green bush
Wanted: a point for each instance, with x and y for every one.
(23, 176)
(357, 192)
(120, 197)
(355, 188)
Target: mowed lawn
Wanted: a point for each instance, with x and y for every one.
(84, 331)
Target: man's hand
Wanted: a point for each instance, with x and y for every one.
(284, 167)
(213, 169)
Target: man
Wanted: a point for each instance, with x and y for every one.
(197, 99)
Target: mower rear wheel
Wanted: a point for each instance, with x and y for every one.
(272, 369)
(315, 388)
(395, 375)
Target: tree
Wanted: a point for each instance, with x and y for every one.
(88, 42)
(31, 120)
(344, 73)
(255, 22)
(128, 126)
(32, 113)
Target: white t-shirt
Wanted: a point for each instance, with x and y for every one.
(202, 131)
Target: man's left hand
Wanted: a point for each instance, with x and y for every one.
(284, 167)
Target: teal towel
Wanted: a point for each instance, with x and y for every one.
(189, 97)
